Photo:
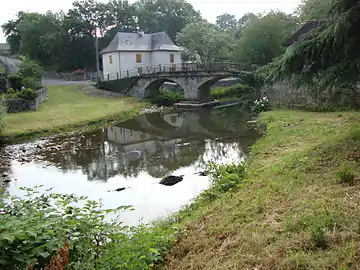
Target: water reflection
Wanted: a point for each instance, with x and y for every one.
(136, 154)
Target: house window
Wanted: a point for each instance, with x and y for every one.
(110, 59)
(173, 119)
(172, 57)
(138, 58)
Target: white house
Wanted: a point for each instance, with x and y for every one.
(134, 53)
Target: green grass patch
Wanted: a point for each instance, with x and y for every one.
(69, 109)
(296, 205)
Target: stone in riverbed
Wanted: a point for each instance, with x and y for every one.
(171, 180)
(203, 173)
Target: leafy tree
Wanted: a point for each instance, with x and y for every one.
(227, 22)
(329, 52)
(206, 40)
(165, 15)
(261, 38)
(313, 10)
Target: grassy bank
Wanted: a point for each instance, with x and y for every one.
(67, 109)
(296, 208)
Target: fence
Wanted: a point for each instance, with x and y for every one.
(180, 67)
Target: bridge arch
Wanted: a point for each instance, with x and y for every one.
(153, 88)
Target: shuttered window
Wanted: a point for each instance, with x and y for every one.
(110, 59)
(172, 58)
(138, 58)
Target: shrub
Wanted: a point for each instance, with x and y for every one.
(167, 97)
(31, 82)
(346, 175)
(2, 115)
(32, 69)
(3, 84)
(238, 90)
(16, 81)
(261, 105)
(226, 178)
(38, 227)
(27, 93)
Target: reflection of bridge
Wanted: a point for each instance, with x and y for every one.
(186, 124)
(194, 79)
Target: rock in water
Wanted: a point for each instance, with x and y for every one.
(171, 180)
(120, 189)
(204, 173)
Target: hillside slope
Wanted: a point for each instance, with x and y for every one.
(298, 208)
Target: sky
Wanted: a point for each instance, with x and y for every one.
(208, 8)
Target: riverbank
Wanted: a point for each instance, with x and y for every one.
(296, 208)
(67, 109)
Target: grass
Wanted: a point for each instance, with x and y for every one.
(68, 109)
(297, 207)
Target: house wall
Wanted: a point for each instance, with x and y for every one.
(128, 62)
(163, 58)
(110, 70)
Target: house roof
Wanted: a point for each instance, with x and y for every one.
(306, 28)
(141, 42)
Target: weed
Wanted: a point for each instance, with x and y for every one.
(346, 175)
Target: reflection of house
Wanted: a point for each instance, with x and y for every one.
(137, 140)
(136, 51)
(174, 119)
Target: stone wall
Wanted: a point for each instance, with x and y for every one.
(288, 95)
(23, 105)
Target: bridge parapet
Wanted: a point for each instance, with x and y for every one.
(180, 68)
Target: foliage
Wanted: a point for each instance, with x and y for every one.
(261, 105)
(206, 40)
(65, 40)
(2, 115)
(238, 90)
(16, 81)
(313, 10)
(167, 97)
(31, 69)
(26, 93)
(328, 52)
(3, 84)
(261, 40)
(34, 228)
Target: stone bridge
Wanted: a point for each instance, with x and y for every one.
(195, 80)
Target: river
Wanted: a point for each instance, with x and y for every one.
(134, 156)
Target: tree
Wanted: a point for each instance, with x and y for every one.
(330, 50)
(227, 22)
(313, 10)
(165, 15)
(261, 38)
(204, 39)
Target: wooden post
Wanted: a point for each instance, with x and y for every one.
(108, 77)
(127, 73)
(117, 75)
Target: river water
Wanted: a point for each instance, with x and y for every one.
(134, 155)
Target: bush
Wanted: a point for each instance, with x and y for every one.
(226, 178)
(2, 115)
(239, 90)
(31, 82)
(26, 93)
(16, 81)
(36, 229)
(32, 69)
(3, 84)
(167, 97)
(261, 105)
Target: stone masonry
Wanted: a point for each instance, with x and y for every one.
(196, 85)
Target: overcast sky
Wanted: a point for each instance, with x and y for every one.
(208, 8)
